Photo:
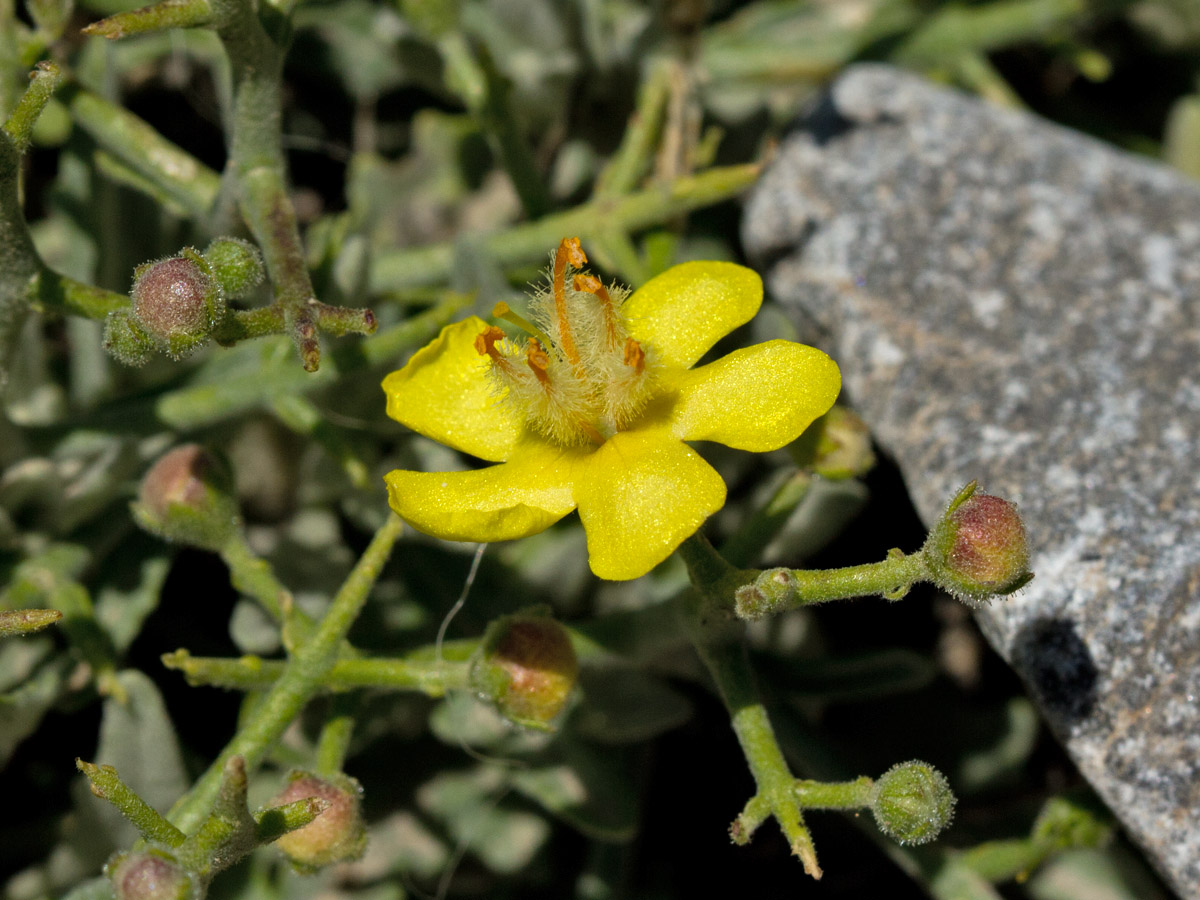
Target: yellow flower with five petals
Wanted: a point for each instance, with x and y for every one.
(592, 412)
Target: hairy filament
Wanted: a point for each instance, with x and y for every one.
(569, 252)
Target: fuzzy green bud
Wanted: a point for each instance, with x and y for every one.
(149, 875)
(978, 550)
(186, 497)
(126, 339)
(527, 668)
(837, 446)
(337, 834)
(236, 264)
(912, 802)
(177, 302)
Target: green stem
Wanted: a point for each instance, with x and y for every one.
(279, 820)
(174, 171)
(333, 745)
(26, 621)
(105, 783)
(719, 643)
(43, 81)
(257, 167)
(834, 795)
(19, 261)
(61, 294)
(302, 677)
(775, 785)
(527, 243)
(635, 155)
(777, 590)
(252, 575)
(157, 17)
(251, 673)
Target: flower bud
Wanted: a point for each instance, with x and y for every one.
(177, 302)
(978, 549)
(337, 834)
(185, 497)
(837, 446)
(526, 667)
(236, 264)
(912, 802)
(149, 875)
(126, 339)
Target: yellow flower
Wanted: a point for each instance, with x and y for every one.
(592, 413)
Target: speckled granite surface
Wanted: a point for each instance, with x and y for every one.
(1013, 302)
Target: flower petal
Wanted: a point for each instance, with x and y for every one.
(639, 496)
(681, 313)
(444, 393)
(757, 399)
(515, 499)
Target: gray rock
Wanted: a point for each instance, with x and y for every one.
(1013, 302)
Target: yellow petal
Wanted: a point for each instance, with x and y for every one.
(639, 496)
(759, 398)
(681, 313)
(444, 393)
(515, 499)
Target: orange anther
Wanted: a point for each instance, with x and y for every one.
(485, 342)
(635, 356)
(588, 283)
(538, 360)
(573, 251)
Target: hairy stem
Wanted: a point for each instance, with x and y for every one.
(302, 677)
(718, 640)
(250, 673)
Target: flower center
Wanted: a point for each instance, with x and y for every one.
(579, 377)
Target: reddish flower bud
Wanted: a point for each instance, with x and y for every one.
(149, 875)
(185, 497)
(337, 834)
(177, 302)
(979, 550)
(526, 667)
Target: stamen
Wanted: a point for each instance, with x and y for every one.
(485, 342)
(503, 311)
(590, 284)
(635, 356)
(485, 345)
(539, 361)
(568, 251)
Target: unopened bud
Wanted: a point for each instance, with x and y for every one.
(236, 264)
(837, 446)
(912, 802)
(337, 834)
(185, 497)
(126, 339)
(177, 302)
(527, 668)
(149, 875)
(978, 550)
